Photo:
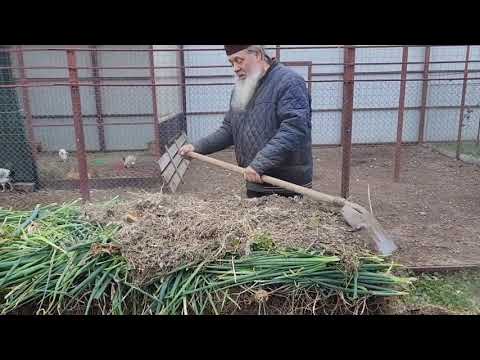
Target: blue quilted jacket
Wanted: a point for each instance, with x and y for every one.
(273, 133)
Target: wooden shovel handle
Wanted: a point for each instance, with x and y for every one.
(316, 195)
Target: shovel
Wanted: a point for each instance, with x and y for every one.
(355, 215)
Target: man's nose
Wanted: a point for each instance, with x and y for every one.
(236, 68)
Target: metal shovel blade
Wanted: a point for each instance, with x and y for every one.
(359, 220)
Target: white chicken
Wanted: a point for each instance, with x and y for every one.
(5, 178)
(63, 154)
(129, 161)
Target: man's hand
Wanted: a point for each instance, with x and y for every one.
(186, 149)
(252, 176)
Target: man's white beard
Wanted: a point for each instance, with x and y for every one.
(244, 90)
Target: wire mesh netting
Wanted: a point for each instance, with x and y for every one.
(133, 100)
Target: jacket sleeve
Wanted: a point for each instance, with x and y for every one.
(218, 140)
(293, 112)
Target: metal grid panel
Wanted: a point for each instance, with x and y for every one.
(61, 136)
(202, 58)
(475, 56)
(444, 92)
(442, 124)
(127, 99)
(326, 127)
(199, 126)
(448, 53)
(411, 125)
(417, 55)
(50, 101)
(472, 97)
(376, 94)
(208, 98)
(470, 127)
(108, 59)
(315, 56)
(373, 55)
(49, 58)
(327, 95)
(169, 98)
(128, 114)
(413, 91)
(130, 136)
(384, 124)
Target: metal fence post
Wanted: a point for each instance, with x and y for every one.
(183, 86)
(477, 142)
(98, 98)
(310, 78)
(26, 102)
(156, 125)
(426, 69)
(462, 104)
(347, 116)
(401, 111)
(277, 53)
(78, 124)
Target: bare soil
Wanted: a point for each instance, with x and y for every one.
(100, 166)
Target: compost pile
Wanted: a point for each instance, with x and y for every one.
(162, 232)
(163, 254)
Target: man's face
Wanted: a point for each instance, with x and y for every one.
(245, 63)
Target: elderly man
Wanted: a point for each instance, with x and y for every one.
(269, 122)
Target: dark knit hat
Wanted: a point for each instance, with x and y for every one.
(232, 49)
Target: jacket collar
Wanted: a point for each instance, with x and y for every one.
(269, 70)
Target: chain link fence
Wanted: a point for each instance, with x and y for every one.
(113, 110)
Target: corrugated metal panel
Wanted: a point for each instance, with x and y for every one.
(326, 127)
(448, 53)
(57, 100)
(442, 124)
(54, 58)
(128, 137)
(315, 56)
(413, 91)
(124, 59)
(169, 98)
(372, 55)
(127, 99)
(208, 98)
(54, 138)
(376, 94)
(327, 95)
(381, 126)
(199, 126)
(410, 125)
(374, 126)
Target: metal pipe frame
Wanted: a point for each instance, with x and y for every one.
(401, 110)
(66, 84)
(98, 99)
(26, 104)
(347, 117)
(156, 122)
(462, 103)
(423, 111)
(78, 125)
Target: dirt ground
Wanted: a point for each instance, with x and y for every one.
(100, 166)
(432, 214)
